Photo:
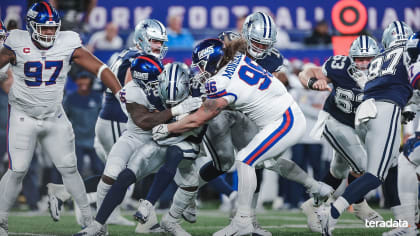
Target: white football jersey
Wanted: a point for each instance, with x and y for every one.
(251, 90)
(134, 93)
(40, 74)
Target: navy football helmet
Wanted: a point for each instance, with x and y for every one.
(40, 17)
(3, 33)
(145, 70)
(412, 49)
(207, 56)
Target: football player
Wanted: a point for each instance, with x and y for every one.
(135, 155)
(409, 159)
(378, 123)
(221, 140)
(150, 37)
(348, 75)
(40, 59)
(234, 80)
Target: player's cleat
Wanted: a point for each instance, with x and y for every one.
(364, 212)
(410, 231)
(94, 229)
(172, 226)
(146, 216)
(258, 230)
(57, 194)
(4, 228)
(327, 221)
(239, 225)
(312, 219)
(320, 192)
(190, 213)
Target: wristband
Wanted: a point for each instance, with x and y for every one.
(311, 83)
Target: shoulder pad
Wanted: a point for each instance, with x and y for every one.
(68, 39)
(336, 66)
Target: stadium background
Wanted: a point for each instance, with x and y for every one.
(205, 19)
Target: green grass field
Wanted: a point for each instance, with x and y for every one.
(209, 221)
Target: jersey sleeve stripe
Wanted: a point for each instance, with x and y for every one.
(217, 95)
(415, 79)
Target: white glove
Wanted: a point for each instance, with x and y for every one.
(120, 96)
(186, 106)
(160, 132)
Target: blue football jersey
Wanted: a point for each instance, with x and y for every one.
(388, 78)
(111, 109)
(273, 62)
(346, 95)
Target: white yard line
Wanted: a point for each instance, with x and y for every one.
(30, 234)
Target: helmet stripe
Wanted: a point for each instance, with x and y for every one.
(48, 9)
(172, 82)
(151, 61)
(367, 43)
(265, 25)
(269, 28)
(402, 27)
(160, 26)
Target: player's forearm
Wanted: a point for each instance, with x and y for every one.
(186, 124)
(110, 81)
(304, 77)
(150, 120)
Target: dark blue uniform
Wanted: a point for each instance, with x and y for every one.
(346, 95)
(111, 109)
(388, 78)
(273, 62)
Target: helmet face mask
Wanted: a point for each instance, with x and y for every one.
(260, 33)
(3, 33)
(363, 49)
(145, 71)
(150, 36)
(43, 23)
(41, 33)
(206, 58)
(412, 49)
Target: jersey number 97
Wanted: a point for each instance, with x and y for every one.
(34, 69)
